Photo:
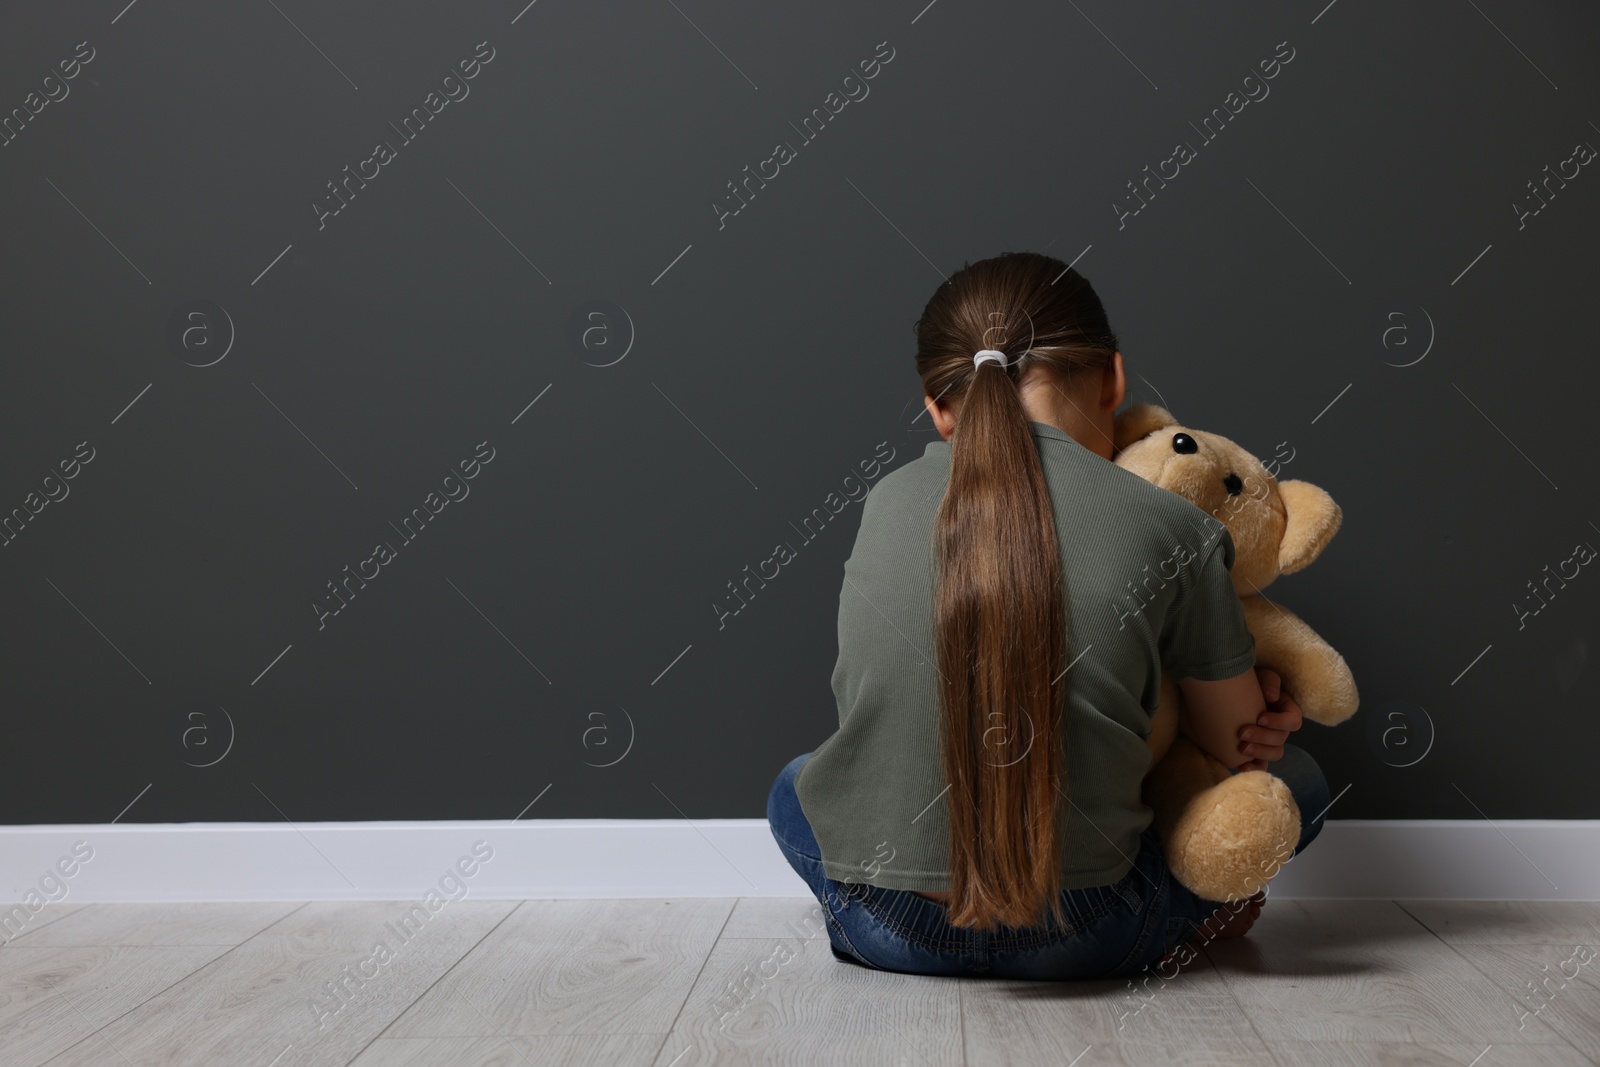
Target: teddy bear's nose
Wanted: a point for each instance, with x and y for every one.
(1183, 444)
(1232, 484)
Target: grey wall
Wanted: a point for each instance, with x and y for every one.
(1350, 239)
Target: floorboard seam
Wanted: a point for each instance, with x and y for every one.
(687, 993)
(1243, 1009)
(442, 975)
(176, 981)
(41, 926)
(961, 1018)
(1488, 977)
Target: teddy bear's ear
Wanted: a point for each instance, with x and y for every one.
(1312, 520)
(1139, 421)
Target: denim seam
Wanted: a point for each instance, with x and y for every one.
(1157, 906)
(1129, 895)
(1055, 934)
(1050, 936)
(848, 944)
(887, 920)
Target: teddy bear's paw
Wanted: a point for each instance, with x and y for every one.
(1329, 687)
(1233, 837)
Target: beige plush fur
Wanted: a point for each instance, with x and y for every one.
(1226, 834)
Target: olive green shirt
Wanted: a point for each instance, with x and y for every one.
(1147, 587)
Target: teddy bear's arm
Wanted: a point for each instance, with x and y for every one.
(1312, 671)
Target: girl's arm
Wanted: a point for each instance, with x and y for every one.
(1264, 741)
(1206, 636)
(1214, 713)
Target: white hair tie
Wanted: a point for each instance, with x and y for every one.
(988, 355)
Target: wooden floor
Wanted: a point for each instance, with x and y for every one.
(673, 983)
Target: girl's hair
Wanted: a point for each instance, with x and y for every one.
(1000, 615)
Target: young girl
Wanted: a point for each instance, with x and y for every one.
(978, 810)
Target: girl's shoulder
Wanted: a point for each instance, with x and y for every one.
(1085, 484)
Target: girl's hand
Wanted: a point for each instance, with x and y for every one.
(1263, 741)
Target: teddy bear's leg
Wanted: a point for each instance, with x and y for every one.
(1311, 670)
(1183, 774)
(1224, 835)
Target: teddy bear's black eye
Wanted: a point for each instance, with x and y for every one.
(1232, 484)
(1183, 444)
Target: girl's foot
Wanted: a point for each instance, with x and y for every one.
(1230, 920)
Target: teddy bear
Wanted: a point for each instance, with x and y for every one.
(1225, 834)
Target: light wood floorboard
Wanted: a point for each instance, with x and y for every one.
(256, 1004)
(684, 982)
(574, 967)
(52, 997)
(21, 923)
(789, 1001)
(1509, 922)
(1189, 1018)
(517, 1050)
(1405, 1054)
(161, 924)
(1548, 984)
(799, 917)
(1364, 970)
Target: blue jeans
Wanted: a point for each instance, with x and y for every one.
(1111, 930)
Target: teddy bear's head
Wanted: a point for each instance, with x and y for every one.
(1277, 527)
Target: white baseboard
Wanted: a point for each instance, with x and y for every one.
(552, 858)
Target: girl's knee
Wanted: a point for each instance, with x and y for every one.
(789, 772)
(1299, 770)
(1309, 786)
(784, 814)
